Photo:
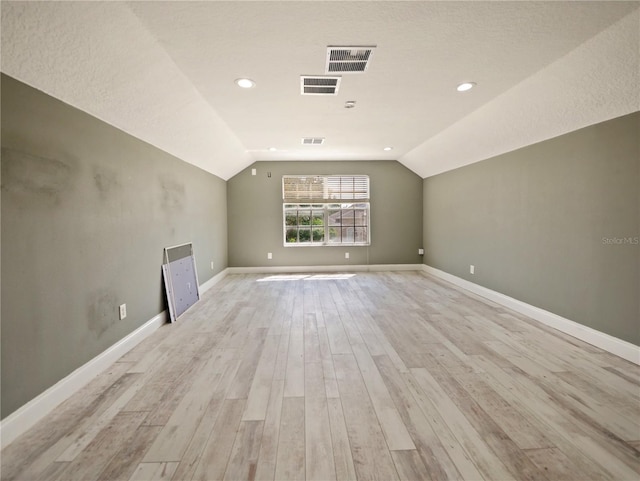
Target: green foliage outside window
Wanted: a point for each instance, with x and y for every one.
(318, 224)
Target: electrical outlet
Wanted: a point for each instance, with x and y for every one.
(253, 172)
(123, 311)
(211, 265)
(472, 269)
(269, 255)
(346, 255)
(420, 252)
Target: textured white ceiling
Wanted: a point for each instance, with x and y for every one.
(164, 72)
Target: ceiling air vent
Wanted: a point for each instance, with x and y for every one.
(319, 85)
(312, 140)
(348, 59)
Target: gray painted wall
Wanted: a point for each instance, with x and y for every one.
(88, 209)
(255, 216)
(540, 224)
(86, 213)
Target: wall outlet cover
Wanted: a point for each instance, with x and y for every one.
(472, 269)
(269, 255)
(123, 311)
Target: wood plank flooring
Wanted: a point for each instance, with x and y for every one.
(371, 376)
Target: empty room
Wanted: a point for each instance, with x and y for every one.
(308, 240)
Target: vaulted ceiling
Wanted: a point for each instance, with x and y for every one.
(165, 71)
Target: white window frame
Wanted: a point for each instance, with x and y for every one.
(326, 196)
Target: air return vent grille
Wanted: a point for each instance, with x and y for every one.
(312, 140)
(348, 59)
(319, 85)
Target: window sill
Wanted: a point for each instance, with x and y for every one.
(299, 244)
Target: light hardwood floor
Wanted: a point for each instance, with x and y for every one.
(329, 377)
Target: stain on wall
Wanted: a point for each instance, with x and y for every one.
(172, 194)
(102, 311)
(106, 181)
(41, 179)
(86, 213)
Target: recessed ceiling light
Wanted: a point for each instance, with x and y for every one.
(463, 87)
(388, 148)
(245, 83)
(272, 149)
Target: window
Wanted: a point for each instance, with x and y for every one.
(325, 210)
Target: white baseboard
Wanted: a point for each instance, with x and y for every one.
(338, 268)
(205, 286)
(611, 344)
(28, 415)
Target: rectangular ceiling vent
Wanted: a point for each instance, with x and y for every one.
(348, 59)
(319, 85)
(312, 140)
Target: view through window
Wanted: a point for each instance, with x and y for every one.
(326, 210)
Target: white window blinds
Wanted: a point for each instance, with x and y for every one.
(316, 188)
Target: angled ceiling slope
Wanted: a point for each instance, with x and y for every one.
(164, 72)
(597, 81)
(99, 58)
